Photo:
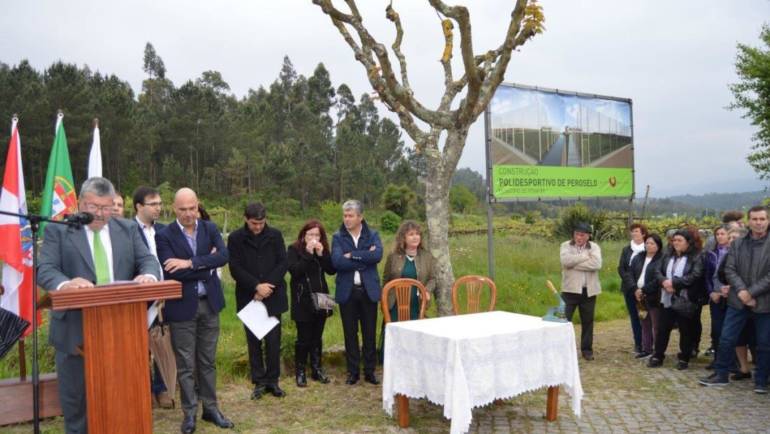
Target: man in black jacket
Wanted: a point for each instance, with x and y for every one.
(258, 264)
(747, 268)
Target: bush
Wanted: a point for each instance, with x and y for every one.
(331, 216)
(400, 199)
(389, 222)
(578, 213)
(461, 199)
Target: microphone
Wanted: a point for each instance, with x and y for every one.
(79, 219)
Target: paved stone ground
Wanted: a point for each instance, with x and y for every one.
(623, 395)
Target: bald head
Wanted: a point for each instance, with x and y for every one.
(186, 207)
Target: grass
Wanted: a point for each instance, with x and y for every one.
(522, 266)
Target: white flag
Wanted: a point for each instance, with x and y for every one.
(95, 157)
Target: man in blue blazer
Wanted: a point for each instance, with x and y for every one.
(190, 251)
(356, 250)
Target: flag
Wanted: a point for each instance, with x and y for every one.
(15, 235)
(59, 191)
(95, 156)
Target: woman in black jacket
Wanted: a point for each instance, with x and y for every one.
(646, 291)
(635, 248)
(309, 259)
(680, 275)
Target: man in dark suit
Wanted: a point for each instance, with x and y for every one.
(106, 250)
(147, 207)
(190, 250)
(356, 250)
(258, 264)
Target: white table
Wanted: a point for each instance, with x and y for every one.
(468, 361)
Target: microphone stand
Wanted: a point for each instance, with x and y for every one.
(34, 224)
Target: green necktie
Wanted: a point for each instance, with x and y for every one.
(100, 261)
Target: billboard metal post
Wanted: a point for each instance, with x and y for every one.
(490, 229)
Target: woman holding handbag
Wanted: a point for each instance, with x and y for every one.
(647, 292)
(681, 277)
(309, 260)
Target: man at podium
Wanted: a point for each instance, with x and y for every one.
(106, 250)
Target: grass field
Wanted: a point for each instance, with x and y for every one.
(522, 266)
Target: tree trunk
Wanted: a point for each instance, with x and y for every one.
(441, 166)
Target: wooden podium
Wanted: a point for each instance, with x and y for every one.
(115, 351)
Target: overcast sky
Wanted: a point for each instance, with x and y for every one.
(674, 59)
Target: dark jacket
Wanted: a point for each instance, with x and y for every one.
(710, 266)
(307, 276)
(627, 281)
(256, 259)
(651, 288)
(740, 275)
(423, 262)
(171, 243)
(691, 280)
(362, 260)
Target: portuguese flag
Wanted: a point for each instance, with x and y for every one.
(59, 192)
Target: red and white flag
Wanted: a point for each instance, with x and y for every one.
(15, 235)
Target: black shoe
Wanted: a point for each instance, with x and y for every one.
(352, 379)
(318, 375)
(709, 352)
(682, 365)
(738, 376)
(188, 425)
(275, 390)
(588, 355)
(259, 391)
(371, 378)
(301, 378)
(713, 380)
(217, 418)
(642, 355)
(654, 362)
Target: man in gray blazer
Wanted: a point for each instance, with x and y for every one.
(106, 250)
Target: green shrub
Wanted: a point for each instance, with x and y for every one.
(461, 199)
(389, 222)
(579, 213)
(400, 199)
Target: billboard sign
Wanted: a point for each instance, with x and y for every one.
(551, 144)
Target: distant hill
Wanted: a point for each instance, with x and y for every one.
(722, 201)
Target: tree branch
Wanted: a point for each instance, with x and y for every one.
(393, 16)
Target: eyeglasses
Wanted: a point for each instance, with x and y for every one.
(153, 204)
(92, 208)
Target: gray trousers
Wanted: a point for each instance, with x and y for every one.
(72, 392)
(195, 347)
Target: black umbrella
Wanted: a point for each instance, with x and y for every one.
(12, 327)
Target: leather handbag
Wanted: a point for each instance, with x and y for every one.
(683, 306)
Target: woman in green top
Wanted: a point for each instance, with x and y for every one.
(409, 259)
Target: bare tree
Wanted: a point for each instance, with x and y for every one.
(482, 74)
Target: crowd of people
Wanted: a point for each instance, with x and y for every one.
(191, 250)
(666, 288)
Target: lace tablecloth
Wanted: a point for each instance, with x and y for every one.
(468, 361)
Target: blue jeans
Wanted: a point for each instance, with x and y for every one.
(633, 314)
(734, 322)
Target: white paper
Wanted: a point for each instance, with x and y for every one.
(152, 313)
(254, 316)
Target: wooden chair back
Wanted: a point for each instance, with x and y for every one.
(403, 290)
(473, 286)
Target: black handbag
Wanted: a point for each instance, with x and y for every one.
(323, 303)
(683, 306)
